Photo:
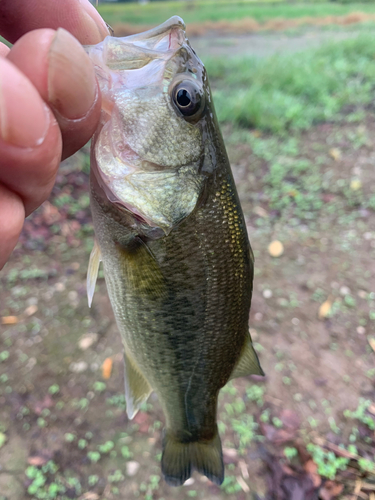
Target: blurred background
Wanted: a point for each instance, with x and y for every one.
(293, 86)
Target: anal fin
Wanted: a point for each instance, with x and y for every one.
(248, 363)
(92, 272)
(137, 389)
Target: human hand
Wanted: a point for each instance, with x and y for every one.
(49, 101)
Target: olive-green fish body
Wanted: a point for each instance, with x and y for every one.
(173, 241)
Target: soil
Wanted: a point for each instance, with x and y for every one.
(58, 404)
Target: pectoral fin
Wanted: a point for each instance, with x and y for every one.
(248, 364)
(92, 272)
(137, 389)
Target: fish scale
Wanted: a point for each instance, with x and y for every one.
(180, 285)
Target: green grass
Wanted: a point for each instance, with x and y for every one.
(294, 91)
(200, 11)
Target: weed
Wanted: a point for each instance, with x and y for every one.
(327, 462)
(69, 438)
(256, 393)
(93, 456)
(290, 452)
(106, 447)
(53, 389)
(361, 414)
(230, 485)
(245, 430)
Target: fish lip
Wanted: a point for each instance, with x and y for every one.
(170, 24)
(173, 24)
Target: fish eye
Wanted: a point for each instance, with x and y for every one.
(188, 98)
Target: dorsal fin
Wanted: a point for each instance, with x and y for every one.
(92, 271)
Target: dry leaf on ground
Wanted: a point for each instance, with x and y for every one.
(9, 320)
(107, 368)
(325, 309)
(275, 248)
(335, 153)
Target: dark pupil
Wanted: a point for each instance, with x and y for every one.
(183, 97)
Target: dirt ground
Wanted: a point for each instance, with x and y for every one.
(63, 429)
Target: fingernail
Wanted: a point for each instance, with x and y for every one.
(24, 118)
(94, 16)
(71, 77)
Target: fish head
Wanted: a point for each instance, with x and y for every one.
(149, 152)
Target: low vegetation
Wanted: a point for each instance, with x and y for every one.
(200, 11)
(296, 91)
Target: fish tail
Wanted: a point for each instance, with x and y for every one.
(180, 459)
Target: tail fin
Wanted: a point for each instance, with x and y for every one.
(180, 459)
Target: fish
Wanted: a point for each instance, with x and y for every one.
(171, 235)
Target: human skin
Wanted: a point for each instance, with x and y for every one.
(49, 101)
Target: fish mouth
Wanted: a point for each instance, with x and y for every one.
(136, 51)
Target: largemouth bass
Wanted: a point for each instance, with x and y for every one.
(172, 237)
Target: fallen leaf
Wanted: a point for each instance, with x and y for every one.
(3, 439)
(312, 470)
(107, 368)
(9, 320)
(335, 153)
(143, 421)
(261, 212)
(275, 248)
(90, 495)
(290, 419)
(325, 309)
(330, 490)
(244, 469)
(38, 461)
(355, 185)
(371, 341)
(243, 485)
(29, 311)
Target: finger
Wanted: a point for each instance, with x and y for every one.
(11, 221)
(78, 17)
(3, 50)
(30, 139)
(61, 71)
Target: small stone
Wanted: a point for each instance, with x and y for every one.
(258, 316)
(73, 296)
(59, 287)
(87, 340)
(362, 294)
(189, 481)
(29, 311)
(267, 294)
(361, 330)
(295, 321)
(78, 367)
(367, 236)
(344, 290)
(132, 468)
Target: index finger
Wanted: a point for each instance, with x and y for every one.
(79, 17)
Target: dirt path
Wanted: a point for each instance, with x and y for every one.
(264, 45)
